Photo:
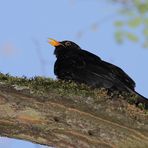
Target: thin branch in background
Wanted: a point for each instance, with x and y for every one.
(40, 57)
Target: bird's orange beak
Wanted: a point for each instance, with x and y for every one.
(53, 42)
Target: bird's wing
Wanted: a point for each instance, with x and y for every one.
(120, 74)
(110, 68)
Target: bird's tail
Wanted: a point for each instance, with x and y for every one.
(139, 99)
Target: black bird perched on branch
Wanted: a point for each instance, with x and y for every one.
(76, 64)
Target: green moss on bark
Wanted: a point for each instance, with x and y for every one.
(41, 85)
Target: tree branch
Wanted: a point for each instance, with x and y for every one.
(67, 115)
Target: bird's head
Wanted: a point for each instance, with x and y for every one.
(63, 46)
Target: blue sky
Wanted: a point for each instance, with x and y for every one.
(27, 24)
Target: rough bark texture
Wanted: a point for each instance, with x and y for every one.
(66, 115)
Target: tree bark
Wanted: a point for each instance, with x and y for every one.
(69, 116)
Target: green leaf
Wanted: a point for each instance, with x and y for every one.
(141, 5)
(145, 31)
(135, 22)
(119, 23)
(132, 37)
(119, 36)
(143, 8)
(137, 2)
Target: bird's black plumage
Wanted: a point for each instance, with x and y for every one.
(76, 64)
(81, 66)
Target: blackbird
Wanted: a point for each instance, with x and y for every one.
(81, 66)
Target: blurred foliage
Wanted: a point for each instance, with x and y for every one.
(135, 14)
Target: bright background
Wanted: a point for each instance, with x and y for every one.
(26, 25)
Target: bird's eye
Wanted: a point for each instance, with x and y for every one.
(68, 44)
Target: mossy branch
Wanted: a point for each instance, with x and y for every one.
(67, 115)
